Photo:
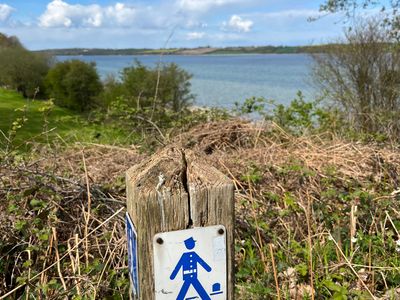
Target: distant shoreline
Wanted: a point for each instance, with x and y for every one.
(186, 51)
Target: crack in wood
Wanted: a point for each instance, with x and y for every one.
(185, 184)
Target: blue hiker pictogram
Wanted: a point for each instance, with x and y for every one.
(188, 262)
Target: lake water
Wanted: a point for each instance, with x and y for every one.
(221, 80)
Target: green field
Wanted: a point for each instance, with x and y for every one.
(46, 125)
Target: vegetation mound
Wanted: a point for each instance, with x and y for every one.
(324, 210)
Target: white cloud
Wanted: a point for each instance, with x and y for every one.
(202, 6)
(121, 14)
(62, 14)
(236, 23)
(195, 35)
(5, 12)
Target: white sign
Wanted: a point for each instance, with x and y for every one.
(190, 264)
(132, 254)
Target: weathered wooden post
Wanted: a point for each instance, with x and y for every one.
(180, 222)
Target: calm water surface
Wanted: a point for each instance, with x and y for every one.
(220, 80)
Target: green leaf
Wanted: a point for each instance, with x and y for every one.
(27, 263)
(332, 286)
(19, 225)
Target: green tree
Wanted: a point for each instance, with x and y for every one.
(74, 84)
(165, 87)
(158, 95)
(21, 69)
(175, 88)
(9, 41)
(138, 86)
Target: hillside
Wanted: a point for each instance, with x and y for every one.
(24, 122)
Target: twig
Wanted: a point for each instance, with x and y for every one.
(391, 222)
(29, 270)
(3, 134)
(271, 251)
(159, 73)
(235, 180)
(58, 258)
(87, 213)
(310, 253)
(384, 280)
(74, 268)
(351, 266)
(353, 226)
(154, 125)
(77, 258)
(111, 255)
(107, 146)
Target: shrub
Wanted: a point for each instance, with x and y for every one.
(306, 117)
(74, 84)
(362, 76)
(21, 69)
(300, 117)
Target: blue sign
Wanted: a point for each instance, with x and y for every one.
(131, 237)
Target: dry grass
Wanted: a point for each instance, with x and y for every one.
(281, 181)
(78, 228)
(271, 169)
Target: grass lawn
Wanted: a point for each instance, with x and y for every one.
(62, 124)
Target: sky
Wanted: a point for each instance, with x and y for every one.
(44, 24)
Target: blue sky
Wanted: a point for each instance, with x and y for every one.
(189, 23)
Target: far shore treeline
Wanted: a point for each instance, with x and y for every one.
(188, 51)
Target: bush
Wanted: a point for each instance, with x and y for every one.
(362, 76)
(74, 84)
(300, 117)
(21, 69)
(307, 117)
(112, 89)
(151, 92)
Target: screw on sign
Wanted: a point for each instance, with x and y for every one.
(191, 264)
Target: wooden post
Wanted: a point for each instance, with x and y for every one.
(176, 190)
